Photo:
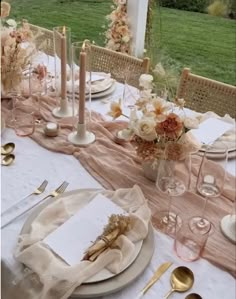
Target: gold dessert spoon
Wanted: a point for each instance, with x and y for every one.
(8, 160)
(181, 280)
(7, 148)
(193, 296)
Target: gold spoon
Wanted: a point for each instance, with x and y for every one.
(181, 280)
(8, 160)
(7, 148)
(193, 296)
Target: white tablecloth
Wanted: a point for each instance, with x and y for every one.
(33, 164)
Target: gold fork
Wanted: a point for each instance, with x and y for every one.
(58, 191)
(40, 189)
(54, 193)
(37, 191)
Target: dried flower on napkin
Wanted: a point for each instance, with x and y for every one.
(117, 225)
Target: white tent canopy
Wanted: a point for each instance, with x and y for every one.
(137, 13)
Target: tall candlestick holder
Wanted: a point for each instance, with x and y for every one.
(81, 89)
(62, 60)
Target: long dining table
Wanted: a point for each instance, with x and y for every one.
(34, 163)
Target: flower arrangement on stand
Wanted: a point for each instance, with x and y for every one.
(118, 34)
(17, 50)
(156, 122)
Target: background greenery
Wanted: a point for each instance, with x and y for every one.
(204, 43)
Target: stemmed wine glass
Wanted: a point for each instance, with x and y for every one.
(210, 180)
(173, 179)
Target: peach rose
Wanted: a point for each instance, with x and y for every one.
(171, 127)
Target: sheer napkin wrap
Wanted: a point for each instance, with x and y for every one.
(51, 277)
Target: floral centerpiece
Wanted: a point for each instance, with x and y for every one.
(154, 122)
(118, 34)
(17, 48)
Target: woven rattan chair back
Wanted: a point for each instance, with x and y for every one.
(43, 39)
(122, 67)
(202, 94)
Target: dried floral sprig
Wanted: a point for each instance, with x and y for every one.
(17, 49)
(117, 226)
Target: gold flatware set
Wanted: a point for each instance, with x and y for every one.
(37, 191)
(181, 280)
(7, 150)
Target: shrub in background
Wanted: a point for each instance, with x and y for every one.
(218, 9)
(190, 5)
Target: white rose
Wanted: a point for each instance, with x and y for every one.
(145, 81)
(145, 129)
(122, 2)
(191, 123)
(11, 23)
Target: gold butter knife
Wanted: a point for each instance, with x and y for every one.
(161, 270)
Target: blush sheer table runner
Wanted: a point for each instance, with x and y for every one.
(113, 166)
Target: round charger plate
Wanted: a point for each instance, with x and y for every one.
(104, 93)
(97, 86)
(218, 155)
(100, 95)
(115, 282)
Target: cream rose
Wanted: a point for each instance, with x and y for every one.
(12, 23)
(145, 81)
(191, 123)
(145, 129)
(125, 39)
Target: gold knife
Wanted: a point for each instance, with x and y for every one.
(161, 270)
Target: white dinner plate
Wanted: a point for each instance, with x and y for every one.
(100, 86)
(104, 93)
(100, 284)
(98, 95)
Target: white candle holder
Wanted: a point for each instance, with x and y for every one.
(62, 50)
(228, 227)
(81, 81)
(64, 109)
(81, 137)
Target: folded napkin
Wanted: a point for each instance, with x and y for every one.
(51, 277)
(229, 137)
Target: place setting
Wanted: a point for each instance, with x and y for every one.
(115, 183)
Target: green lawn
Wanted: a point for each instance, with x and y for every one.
(205, 44)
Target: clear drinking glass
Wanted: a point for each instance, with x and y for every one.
(24, 123)
(211, 178)
(189, 243)
(18, 91)
(173, 179)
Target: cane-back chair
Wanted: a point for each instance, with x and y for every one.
(202, 94)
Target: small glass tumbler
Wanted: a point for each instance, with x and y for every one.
(24, 123)
(189, 243)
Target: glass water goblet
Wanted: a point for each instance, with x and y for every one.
(210, 180)
(173, 179)
(189, 244)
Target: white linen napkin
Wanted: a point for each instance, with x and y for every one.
(51, 277)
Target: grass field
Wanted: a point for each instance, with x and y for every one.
(204, 43)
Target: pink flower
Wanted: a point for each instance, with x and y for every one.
(41, 70)
(171, 127)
